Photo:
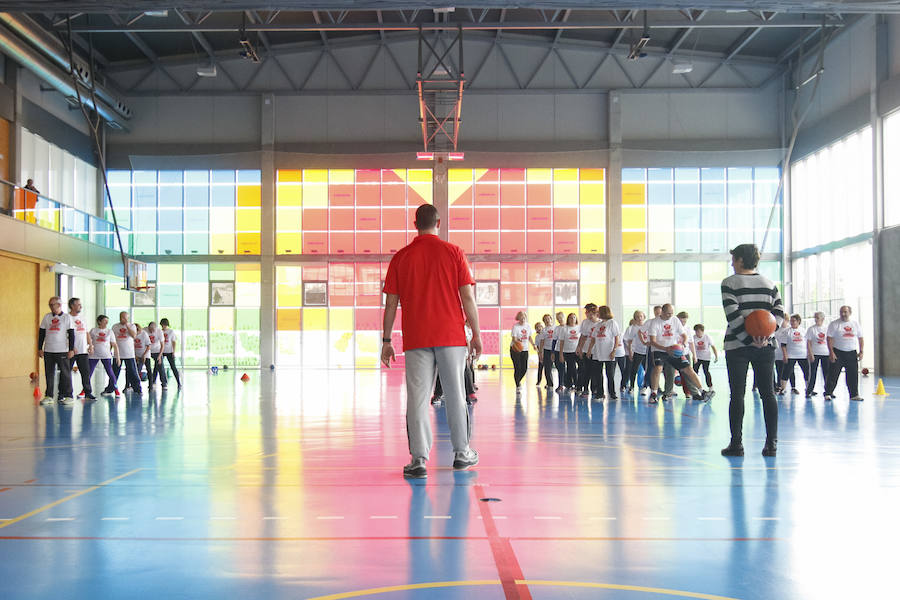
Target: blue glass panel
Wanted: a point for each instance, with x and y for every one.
(714, 241)
(633, 175)
(687, 271)
(687, 217)
(712, 294)
(249, 177)
(713, 217)
(170, 243)
(659, 175)
(222, 191)
(687, 241)
(659, 194)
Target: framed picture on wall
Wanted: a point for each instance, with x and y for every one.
(565, 293)
(315, 293)
(221, 293)
(487, 293)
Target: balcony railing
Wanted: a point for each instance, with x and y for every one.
(26, 205)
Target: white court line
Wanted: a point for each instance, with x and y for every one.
(710, 518)
(383, 517)
(329, 518)
(548, 518)
(61, 519)
(170, 518)
(603, 518)
(437, 516)
(657, 518)
(766, 518)
(223, 518)
(115, 518)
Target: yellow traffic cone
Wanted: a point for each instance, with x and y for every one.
(880, 391)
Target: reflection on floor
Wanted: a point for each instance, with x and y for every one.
(289, 486)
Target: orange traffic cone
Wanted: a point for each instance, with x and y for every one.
(245, 378)
(880, 391)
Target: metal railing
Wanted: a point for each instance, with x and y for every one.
(31, 207)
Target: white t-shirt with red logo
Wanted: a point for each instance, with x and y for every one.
(56, 332)
(633, 334)
(521, 333)
(844, 335)
(604, 335)
(548, 337)
(124, 342)
(570, 335)
(155, 340)
(100, 339)
(667, 333)
(169, 337)
(703, 347)
(141, 343)
(817, 336)
(81, 331)
(795, 340)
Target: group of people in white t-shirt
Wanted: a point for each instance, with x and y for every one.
(832, 348)
(64, 341)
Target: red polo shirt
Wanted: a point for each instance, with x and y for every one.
(427, 275)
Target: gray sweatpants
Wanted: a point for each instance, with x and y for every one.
(422, 366)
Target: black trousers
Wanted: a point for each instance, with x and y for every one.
(548, 367)
(814, 369)
(597, 377)
(84, 369)
(132, 376)
(704, 364)
(572, 374)
(584, 372)
(622, 363)
(779, 367)
(520, 364)
(170, 356)
(636, 361)
(560, 368)
(788, 372)
(847, 360)
(763, 362)
(54, 361)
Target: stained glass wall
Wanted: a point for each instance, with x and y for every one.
(694, 210)
(189, 212)
(214, 307)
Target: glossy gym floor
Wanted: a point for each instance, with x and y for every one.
(290, 486)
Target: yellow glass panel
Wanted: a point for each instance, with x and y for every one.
(419, 175)
(341, 176)
(248, 243)
(591, 192)
(249, 195)
(288, 275)
(368, 349)
(633, 241)
(565, 187)
(221, 319)
(196, 295)
(535, 313)
(420, 181)
(400, 173)
(288, 243)
(315, 319)
(661, 242)
(593, 242)
(315, 188)
(593, 217)
(505, 341)
(247, 219)
(289, 194)
(456, 190)
(634, 271)
(247, 273)
(593, 292)
(538, 175)
(288, 295)
(459, 176)
(221, 220)
(634, 193)
(289, 175)
(479, 173)
(714, 271)
(289, 219)
(593, 174)
(221, 243)
(287, 319)
(561, 175)
(341, 319)
(634, 217)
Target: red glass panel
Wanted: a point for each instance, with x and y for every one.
(538, 194)
(368, 219)
(315, 273)
(463, 239)
(487, 242)
(340, 194)
(565, 271)
(461, 218)
(340, 242)
(368, 284)
(393, 219)
(368, 193)
(315, 219)
(512, 187)
(487, 218)
(368, 242)
(512, 242)
(490, 342)
(489, 318)
(508, 317)
(315, 242)
(540, 294)
(487, 271)
(340, 219)
(565, 218)
(512, 218)
(538, 242)
(487, 190)
(392, 241)
(539, 217)
(565, 242)
(368, 319)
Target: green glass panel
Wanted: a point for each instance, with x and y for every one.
(196, 273)
(221, 272)
(168, 273)
(661, 270)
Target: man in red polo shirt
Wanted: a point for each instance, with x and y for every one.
(430, 278)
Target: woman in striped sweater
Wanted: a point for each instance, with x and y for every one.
(743, 293)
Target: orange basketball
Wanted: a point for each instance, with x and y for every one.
(760, 323)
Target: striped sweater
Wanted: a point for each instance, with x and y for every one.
(741, 295)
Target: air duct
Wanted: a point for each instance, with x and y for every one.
(53, 49)
(13, 47)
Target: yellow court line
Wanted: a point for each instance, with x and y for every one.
(66, 499)
(528, 582)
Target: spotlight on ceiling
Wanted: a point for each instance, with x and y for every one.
(680, 68)
(444, 10)
(207, 70)
(637, 46)
(248, 51)
(156, 13)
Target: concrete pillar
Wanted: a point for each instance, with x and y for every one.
(614, 210)
(15, 133)
(267, 228)
(883, 296)
(441, 196)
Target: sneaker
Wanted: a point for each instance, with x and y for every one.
(769, 449)
(829, 397)
(794, 391)
(733, 449)
(811, 394)
(595, 398)
(652, 399)
(471, 399)
(708, 395)
(66, 401)
(89, 396)
(856, 398)
(117, 393)
(46, 400)
(435, 400)
(464, 460)
(415, 469)
(697, 398)
(164, 386)
(81, 394)
(560, 389)
(613, 397)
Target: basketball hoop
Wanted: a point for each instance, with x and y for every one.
(144, 295)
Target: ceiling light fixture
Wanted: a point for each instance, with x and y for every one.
(637, 46)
